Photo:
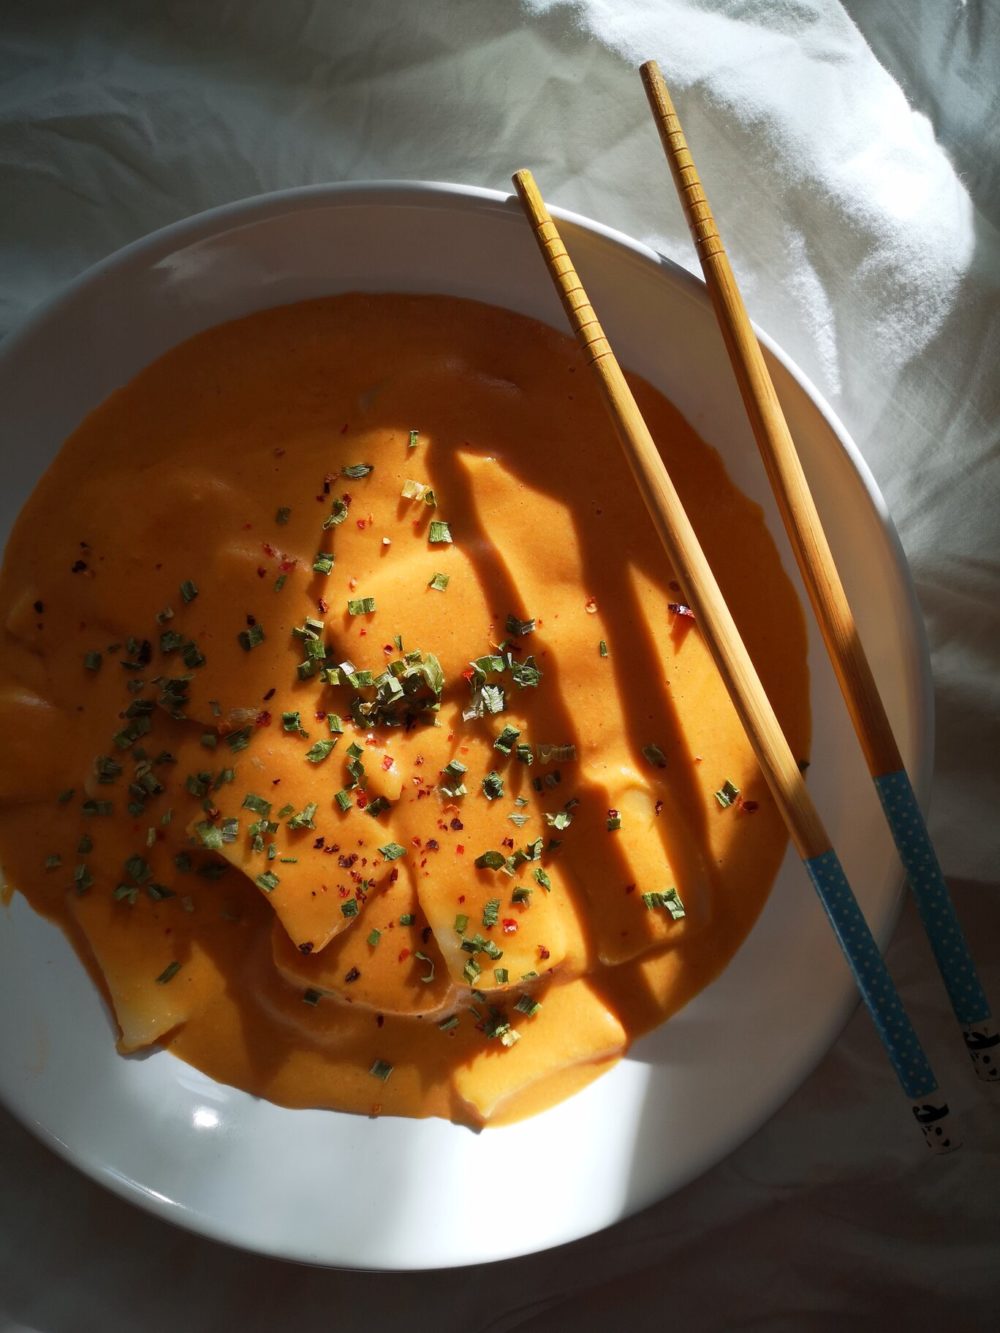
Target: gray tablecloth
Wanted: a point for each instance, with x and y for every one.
(850, 151)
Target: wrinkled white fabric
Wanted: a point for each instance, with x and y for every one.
(850, 150)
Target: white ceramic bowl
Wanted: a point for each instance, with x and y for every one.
(337, 1189)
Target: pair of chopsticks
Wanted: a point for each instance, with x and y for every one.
(833, 613)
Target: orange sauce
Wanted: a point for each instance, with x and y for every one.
(179, 598)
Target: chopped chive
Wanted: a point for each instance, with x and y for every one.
(319, 751)
(305, 817)
(380, 1069)
(85, 845)
(280, 582)
(163, 616)
(239, 740)
(256, 803)
(527, 1004)
(168, 973)
(614, 821)
(323, 563)
(525, 754)
(602, 648)
(292, 722)
(268, 881)
(518, 819)
(414, 437)
(53, 862)
(461, 923)
(338, 513)
(439, 582)
(493, 786)
(392, 851)
(188, 591)
(373, 937)
(343, 799)
(407, 919)
(335, 724)
(471, 971)
(249, 638)
(519, 627)
(448, 1024)
(439, 532)
(376, 807)
(428, 977)
(501, 976)
(360, 606)
(92, 661)
(491, 861)
(66, 795)
(669, 900)
(491, 912)
(96, 808)
(727, 794)
(505, 741)
(561, 820)
(349, 907)
(311, 996)
(542, 878)
(655, 756)
(355, 470)
(283, 514)
(211, 837)
(521, 894)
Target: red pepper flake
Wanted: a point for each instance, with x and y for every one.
(403, 955)
(750, 807)
(468, 674)
(352, 975)
(433, 845)
(268, 549)
(362, 800)
(418, 761)
(509, 925)
(630, 888)
(507, 842)
(393, 874)
(543, 953)
(656, 810)
(387, 762)
(261, 572)
(263, 718)
(269, 695)
(379, 1020)
(459, 849)
(457, 824)
(387, 648)
(322, 605)
(461, 897)
(288, 564)
(318, 842)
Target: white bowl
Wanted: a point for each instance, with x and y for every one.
(336, 1189)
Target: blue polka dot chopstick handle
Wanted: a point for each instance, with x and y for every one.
(882, 1000)
(937, 912)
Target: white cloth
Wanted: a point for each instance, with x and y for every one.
(850, 153)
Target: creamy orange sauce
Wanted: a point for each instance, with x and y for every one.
(141, 816)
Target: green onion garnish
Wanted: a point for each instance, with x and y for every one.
(92, 661)
(493, 786)
(439, 532)
(188, 591)
(727, 794)
(323, 563)
(360, 606)
(519, 627)
(268, 881)
(602, 648)
(668, 900)
(655, 756)
(319, 750)
(542, 878)
(491, 912)
(381, 1069)
(168, 973)
(355, 470)
(429, 975)
(392, 851)
(283, 514)
(439, 582)
(349, 907)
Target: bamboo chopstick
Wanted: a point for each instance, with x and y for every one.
(829, 601)
(733, 662)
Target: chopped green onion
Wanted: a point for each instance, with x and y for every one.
(542, 878)
(312, 996)
(655, 756)
(428, 977)
(407, 919)
(414, 436)
(492, 786)
(168, 973)
(519, 627)
(381, 1069)
(188, 591)
(283, 514)
(373, 937)
(521, 894)
(349, 907)
(392, 851)
(461, 923)
(305, 817)
(614, 821)
(360, 606)
(491, 912)
(602, 648)
(727, 794)
(561, 820)
(491, 861)
(343, 799)
(249, 638)
(439, 532)
(355, 470)
(323, 563)
(268, 881)
(256, 803)
(439, 582)
(318, 751)
(501, 976)
(668, 900)
(92, 661)
(505, 741)
(527, 1004)
(376, 807)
